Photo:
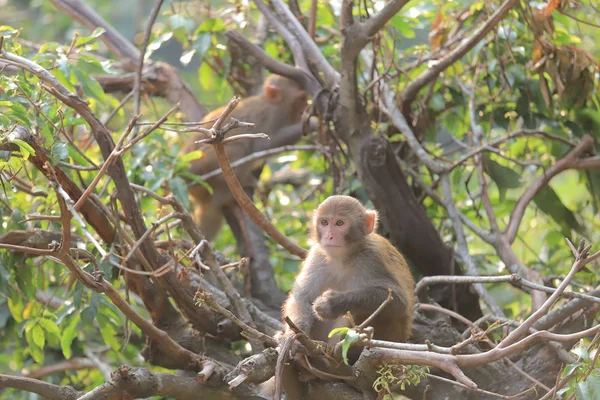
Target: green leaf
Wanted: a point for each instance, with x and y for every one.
(593, 382)
(19, 113)
(210, 25)
(342, 331)
(196, 178)
(38, 335)
(49, 326)
(60, 151)
(193, 155)
(549, 203)
(206, 76)
(25, 282)
(16, 306)
(89, 313)
(25, 149)
(581, 351)
(86, 39)
(582, 391)
(179, 189)
(202, 44)
(403, 25)
(504, 177)
(351, 337)
(592, 182)
(68, 335)
(108, 332)
(91, 87)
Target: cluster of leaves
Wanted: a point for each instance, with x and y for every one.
(391, 375)
(508, 97)
(583, 375)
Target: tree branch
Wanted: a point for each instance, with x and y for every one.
(411, 90)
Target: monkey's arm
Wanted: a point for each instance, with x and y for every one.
(361, 303)
(285, 136)
(301, 314)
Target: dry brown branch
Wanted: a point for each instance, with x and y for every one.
(250, 332)
(46, 390)
(581, 259)
(513, 278)
(238, 192)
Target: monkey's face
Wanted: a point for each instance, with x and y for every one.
(332, 232)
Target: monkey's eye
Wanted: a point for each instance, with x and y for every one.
(324, 222)
(339, 222)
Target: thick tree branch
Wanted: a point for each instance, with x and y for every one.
(378, 21)
(311, 49)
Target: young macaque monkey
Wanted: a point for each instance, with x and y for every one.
(276, 111)
(350, 268)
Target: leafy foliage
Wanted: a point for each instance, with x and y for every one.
(518, 82)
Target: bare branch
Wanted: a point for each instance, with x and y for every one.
(290, 39)
(138, 73)
(378, 21)
(273, 65)
(580, 262)
(311, 49)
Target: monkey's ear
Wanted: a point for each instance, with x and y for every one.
(272, 93)
(371, 219)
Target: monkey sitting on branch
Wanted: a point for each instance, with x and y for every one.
(351, 269)
(277, 112)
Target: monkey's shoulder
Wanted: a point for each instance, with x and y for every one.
(380, 247)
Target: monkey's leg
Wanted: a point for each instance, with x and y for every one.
(232, 215)
(263, 284)
(209, 219)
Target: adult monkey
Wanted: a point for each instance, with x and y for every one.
(349, 269)
(276, 111)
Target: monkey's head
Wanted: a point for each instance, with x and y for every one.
(287, 92)
(341, 221)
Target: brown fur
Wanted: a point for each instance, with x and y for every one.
(276, 111)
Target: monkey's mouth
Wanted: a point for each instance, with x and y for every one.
(332, 245)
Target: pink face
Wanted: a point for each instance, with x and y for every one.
(332, 232)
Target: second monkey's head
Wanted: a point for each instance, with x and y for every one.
(340, 223)
(288, 93)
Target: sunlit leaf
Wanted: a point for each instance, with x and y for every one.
(86, 39)
(351, 337)
(68, 335)
(341, 331)
(38, 335)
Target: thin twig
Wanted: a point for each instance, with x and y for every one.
(138, 73)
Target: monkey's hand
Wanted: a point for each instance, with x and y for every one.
(330, 305)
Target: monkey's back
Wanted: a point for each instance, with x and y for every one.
(397, 328)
